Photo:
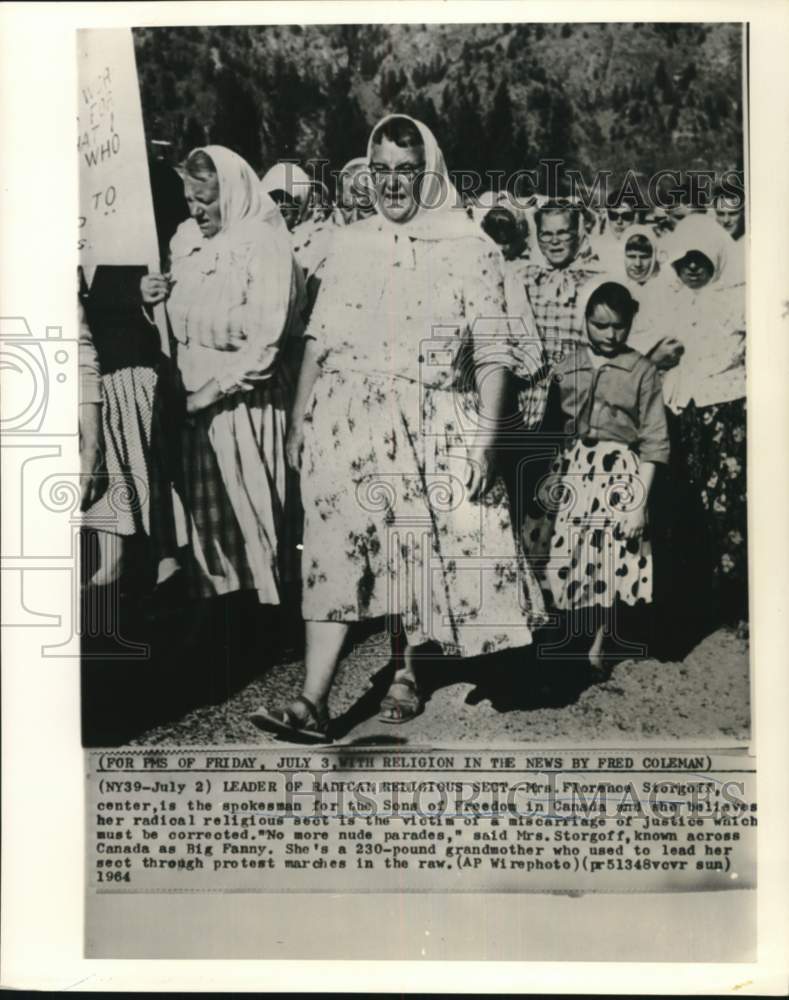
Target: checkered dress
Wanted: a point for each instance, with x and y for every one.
(128, 397)
(229, 556)
(555, 312)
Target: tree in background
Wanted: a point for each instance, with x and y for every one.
(237, 123)
(345, 125)
(508, 95)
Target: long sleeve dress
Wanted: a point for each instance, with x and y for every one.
(234, 306)
(404, 325)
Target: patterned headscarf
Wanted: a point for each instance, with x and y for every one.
(556, 282)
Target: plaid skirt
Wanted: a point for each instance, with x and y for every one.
(127, 417)
(235, 486)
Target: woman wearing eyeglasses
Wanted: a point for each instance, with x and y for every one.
(394, 426)
(621, 215)
(552, 281)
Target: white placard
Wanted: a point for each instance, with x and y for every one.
(116, 224)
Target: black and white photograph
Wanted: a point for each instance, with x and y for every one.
(420, 413)
(393, 446)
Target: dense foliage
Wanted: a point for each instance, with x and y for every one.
(499, 97)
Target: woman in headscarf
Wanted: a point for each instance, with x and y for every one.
(233, 298)
(728, 206)
(395, 422)
(288, 186)
(355, 196)
(297, 196)
(638, 267)
(706, 394)
(621, 216)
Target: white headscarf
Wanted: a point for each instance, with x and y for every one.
(702, 233)
(440, 214)
(648, 235)
(354, 164)
(287, 177)
(247, 217)
(293, 180)
(709, 321)
(243, 207)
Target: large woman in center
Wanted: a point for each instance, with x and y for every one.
(400, 402)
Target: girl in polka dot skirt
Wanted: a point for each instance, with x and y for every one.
(593, 526)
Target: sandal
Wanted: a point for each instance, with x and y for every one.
(306, 726)
(406, 708)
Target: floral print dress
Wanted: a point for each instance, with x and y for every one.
(402, 324)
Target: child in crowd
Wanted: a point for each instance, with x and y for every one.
(595, 497)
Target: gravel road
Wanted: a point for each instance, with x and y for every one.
(505, 699)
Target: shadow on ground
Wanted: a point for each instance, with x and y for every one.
(193, 676)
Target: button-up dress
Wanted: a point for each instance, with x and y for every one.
(404, 326)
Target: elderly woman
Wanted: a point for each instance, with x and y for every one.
(553, 281)
(233, 299)
(395, 424)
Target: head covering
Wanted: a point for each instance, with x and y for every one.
(555, 282)
(703, 234)
(293, 180)
(243, 208)
(488, 200)
(355, 164)
(589, 289)
(649, 235)
(353, 168)
(358, 175)
(248, 217)
(707, 321)
(240, 198)
(440, 214)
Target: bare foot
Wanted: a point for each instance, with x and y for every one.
(596, 660)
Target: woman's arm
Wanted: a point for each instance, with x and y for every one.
(631, 523)
(307, 375)
(91, 434)
(493, 383)
(653, 446)
(261, 320)
(500, 348)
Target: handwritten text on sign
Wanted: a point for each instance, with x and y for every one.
(116, 224)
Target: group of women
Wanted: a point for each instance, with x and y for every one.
(470, 407)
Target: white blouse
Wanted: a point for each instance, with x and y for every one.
(235, 299)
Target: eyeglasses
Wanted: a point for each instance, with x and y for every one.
(563, 236)
(407, 171)
(625, 216)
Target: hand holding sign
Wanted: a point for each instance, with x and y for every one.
(116, 224)
(155, 288)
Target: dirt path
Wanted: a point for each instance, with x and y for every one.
(704, 698)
